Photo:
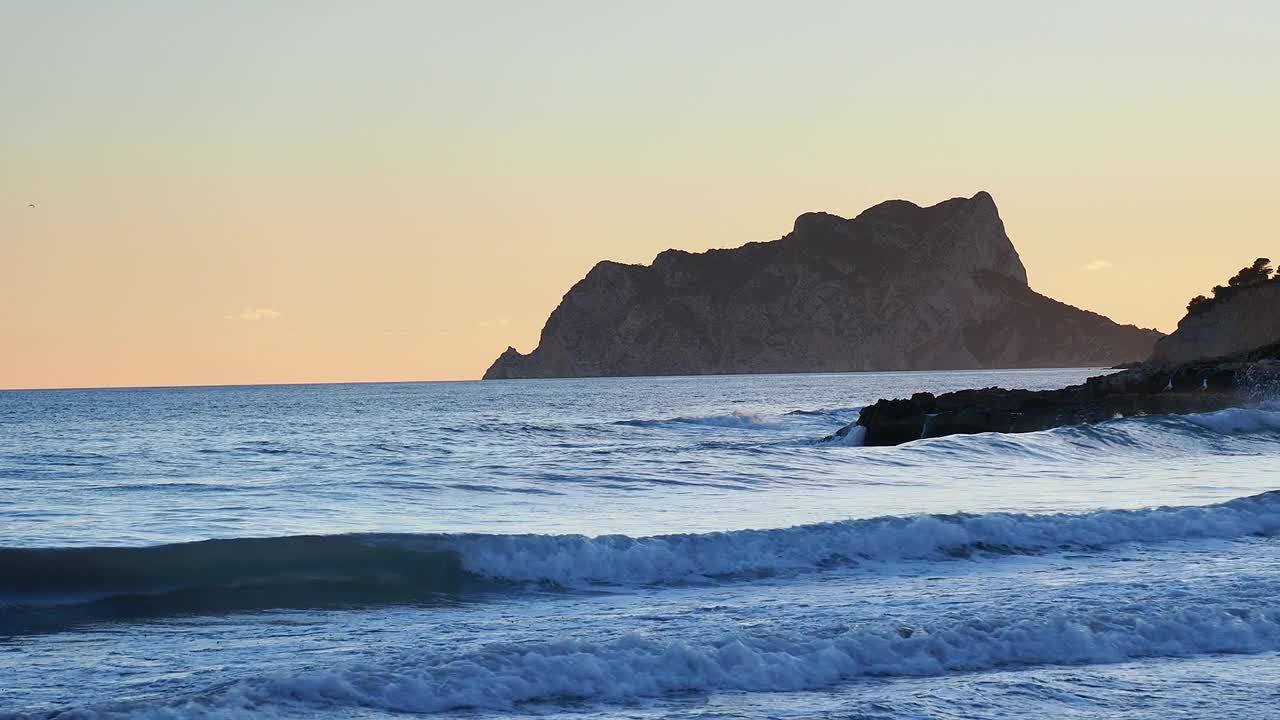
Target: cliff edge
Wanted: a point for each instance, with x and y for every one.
(1241, 316)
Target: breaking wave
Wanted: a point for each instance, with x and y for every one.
(44, 588)
(1134, 433)
(573, 560)
(1237, 421)
(500, 677)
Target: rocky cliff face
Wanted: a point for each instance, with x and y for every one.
(899, 287)
(1246, 320)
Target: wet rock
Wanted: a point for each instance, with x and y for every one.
(1200, 386)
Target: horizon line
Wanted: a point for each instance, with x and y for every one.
(193, 386)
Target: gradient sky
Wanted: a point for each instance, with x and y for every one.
(247, 192)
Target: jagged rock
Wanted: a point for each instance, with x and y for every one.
(899, 287)
(1200, 386)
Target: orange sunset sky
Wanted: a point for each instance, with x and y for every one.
(250, 192)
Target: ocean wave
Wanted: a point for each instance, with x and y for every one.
(1228, 431)
(736, 419)
(1237, 421)
(828, 412)
(48, 589)
(501, 677)
(852, 435)
(42, 588)
(573, 560)
(1139, 433)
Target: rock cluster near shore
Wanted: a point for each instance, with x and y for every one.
(1199, 386)
(1239, 329)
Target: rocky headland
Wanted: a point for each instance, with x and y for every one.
(1242, 315)
(1188, 372)
(899, 287)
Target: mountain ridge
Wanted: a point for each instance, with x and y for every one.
(897, 287)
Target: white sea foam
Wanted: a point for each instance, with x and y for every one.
(849, 436)
(573, 560)
(501, 676)
(1193, 434)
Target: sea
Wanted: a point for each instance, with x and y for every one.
(645, 548)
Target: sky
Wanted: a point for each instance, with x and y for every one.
(258, 192)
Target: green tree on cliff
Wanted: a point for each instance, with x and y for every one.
(1256, 274)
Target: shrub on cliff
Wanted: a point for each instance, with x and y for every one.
(1256, 274)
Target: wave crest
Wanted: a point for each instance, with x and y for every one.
(49, 588)
(45, 588)
(575, 560)
(500, 677)
(1237, 421)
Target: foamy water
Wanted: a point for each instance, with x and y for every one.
(645, 548)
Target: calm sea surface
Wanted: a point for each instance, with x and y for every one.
(639, 548)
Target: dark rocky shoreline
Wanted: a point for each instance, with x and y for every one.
(1201, 386)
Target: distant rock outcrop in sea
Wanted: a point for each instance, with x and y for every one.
(1241, 316)
(899, 287)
